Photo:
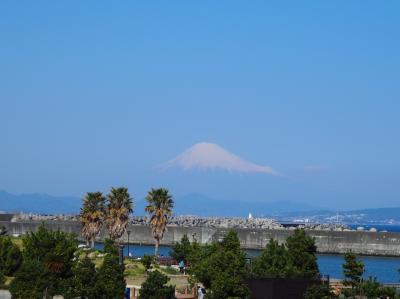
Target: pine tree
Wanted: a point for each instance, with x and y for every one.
(146, 261)
(85, 278)
(155, 287)
(302, 253)
(273, 262)
(10, 256)
(33, 281)
(221, 267)
(353, 270)
(47, 264)
(181, 250)
(110, 282)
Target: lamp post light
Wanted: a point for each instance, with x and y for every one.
(128, 232)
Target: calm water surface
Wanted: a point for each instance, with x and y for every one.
(384, 268)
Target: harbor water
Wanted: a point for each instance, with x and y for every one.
(385, 269)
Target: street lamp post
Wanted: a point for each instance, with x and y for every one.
(121, 254)
(128, 232)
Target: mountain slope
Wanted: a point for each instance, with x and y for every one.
(211, 156)
(39, 203)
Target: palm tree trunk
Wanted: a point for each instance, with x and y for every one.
(156, 247)
(92, 245)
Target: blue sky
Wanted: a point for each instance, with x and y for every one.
(96, 93)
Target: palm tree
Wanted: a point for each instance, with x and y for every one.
(92, 215)
(119, 206)
(159, 207)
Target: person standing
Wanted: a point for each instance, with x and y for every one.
(181, 266)
(200, 294)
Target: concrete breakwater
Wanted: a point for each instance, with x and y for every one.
(327, 241)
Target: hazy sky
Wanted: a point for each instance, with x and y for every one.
(96, 93)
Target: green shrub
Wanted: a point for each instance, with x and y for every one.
(33, 281)
(155, 287)
(110, 282)
(221, 268)
(319, 291)
(82, 284)
(2, 279)
(110, 247)
(10, 256)
(147, 260)
(373, 289)
(181, 250)
(48, 258)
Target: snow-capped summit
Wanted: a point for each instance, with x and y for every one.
(206, 155)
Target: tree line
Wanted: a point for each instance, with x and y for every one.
(224, 269)
(50, 262)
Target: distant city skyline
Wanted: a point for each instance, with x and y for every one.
(94, 95)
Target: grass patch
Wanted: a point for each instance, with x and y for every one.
(134, 268)
(170, 271)
(17, 241)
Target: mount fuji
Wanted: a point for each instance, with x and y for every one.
(206, 155)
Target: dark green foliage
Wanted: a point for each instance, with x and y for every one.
(201, 264)
(2, 279)
(195, 253)
(319, 291)
(296, 258)
(33, 281)
(82, 285)
(181, 250)
(3, 231)
(353, 270)
(370, 287)
(155, 287)
(302, 253)
(47, 264)
(10, 256)
(373, 289)
(110, 247)
(222, 268)
(273, 262)
(147, 260)
(231, 242)
(387, 292)
(110, 282)
(54, 249)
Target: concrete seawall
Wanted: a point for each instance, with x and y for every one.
(367, 243)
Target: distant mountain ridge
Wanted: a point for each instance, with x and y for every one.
(192, 204)
(39, 203)
(201, 205)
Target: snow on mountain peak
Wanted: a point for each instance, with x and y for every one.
(206, 155)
